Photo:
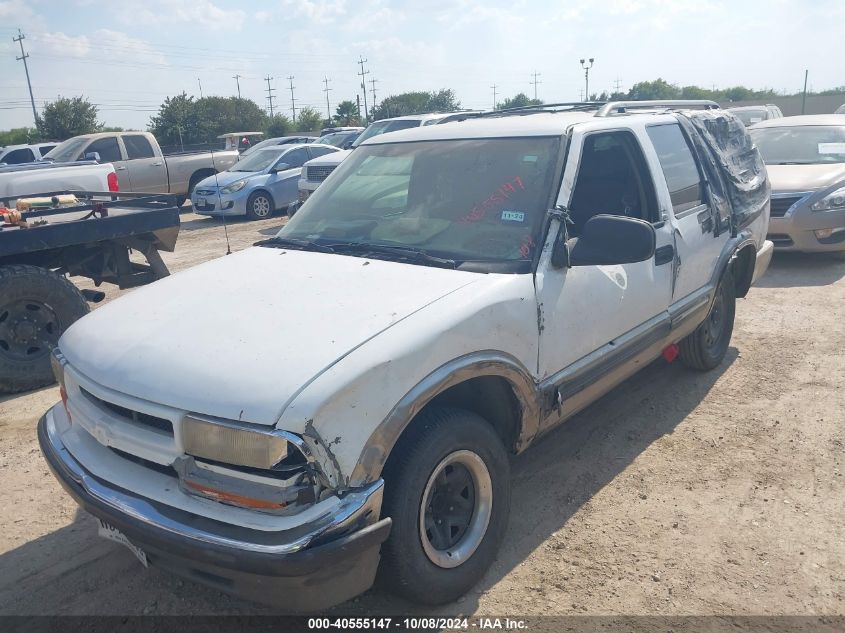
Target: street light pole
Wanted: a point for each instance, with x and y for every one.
(586, 68)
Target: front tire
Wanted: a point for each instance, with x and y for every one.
(36, 307)
(259, 206)
(705, 348)
(447, 490)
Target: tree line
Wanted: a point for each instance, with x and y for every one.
(183, 120)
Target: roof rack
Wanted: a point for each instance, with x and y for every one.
(566, 106)
(621, 107)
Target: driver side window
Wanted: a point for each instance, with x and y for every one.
(612, 179)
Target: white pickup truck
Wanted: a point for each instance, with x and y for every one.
(348, 397)
(30, 178)
(141, 165)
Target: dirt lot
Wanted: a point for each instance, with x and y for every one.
(678, 493)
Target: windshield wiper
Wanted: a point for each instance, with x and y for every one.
(414, 255)
(294, 243)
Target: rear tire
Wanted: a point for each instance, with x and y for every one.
(36, 307)
(705, 348)
(259, 206)
(447, 490)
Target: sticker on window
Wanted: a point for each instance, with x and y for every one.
(517, 217)
(756, 119)
(528, 158)
(831, 148)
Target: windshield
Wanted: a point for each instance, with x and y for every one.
(800, 145)
(381, 127)
(466, 200)
(749, 117)
(259, 160)
(67, 151)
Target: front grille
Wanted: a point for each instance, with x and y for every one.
(144, 419)
(204, 192)
(779, 239)
(159, 468)
(318, 174)
(781, 205)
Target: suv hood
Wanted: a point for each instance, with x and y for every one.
(787, 178)
(238, 337)
(335, 158)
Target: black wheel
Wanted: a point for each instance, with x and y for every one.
(447, 489)
(36, 307)
(259, 206)
(705, 348)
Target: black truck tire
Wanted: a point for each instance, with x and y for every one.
(447, 524)
(705, 348)
(36, 307)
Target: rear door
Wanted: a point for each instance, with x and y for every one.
(147, 171)
(697, 245)
(109, 150)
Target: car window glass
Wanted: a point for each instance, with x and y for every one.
(800, 144)
(321, 151)
(18, 156)
(679, 166)
(107, 148)
(138, 147)
(295, 157)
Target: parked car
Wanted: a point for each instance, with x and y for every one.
(840, 109)
(279, 140)
(29, 178)
(316, 171)
(348, 128)
(805, 157)
(447, 297)
(343, 140)
(258, 185)
(140, 164)
(750, 115)
(19, 154)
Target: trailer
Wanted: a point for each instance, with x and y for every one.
(40, 248)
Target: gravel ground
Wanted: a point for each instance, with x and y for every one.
(678, 493)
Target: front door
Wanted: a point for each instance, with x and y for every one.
(109, 150)
(147, 171)
(283, 184)
(588, 313)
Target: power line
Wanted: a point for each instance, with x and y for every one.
(237, 79)
(535, 74)
(270, 92)
(326, 81)
(19, 39)
(292, 100)
(363, 75)
(373, 81)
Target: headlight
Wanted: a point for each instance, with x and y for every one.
(235, 186)
(233, 445)
(833, 200)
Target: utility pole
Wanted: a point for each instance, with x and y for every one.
(237, 79)
(200, 85)
(586, 68)
(270, 92)
(364, 74)
(804, 97)
(617, 85)
(358, 103)
(494, 95)
(374, 81)
(19, 39)
(292, 100)
(326, 81)
(535, 74)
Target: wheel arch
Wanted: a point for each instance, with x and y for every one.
(493, 385)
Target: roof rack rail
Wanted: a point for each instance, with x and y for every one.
(565, 106)
(621, 107)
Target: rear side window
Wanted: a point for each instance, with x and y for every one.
(138, 147)
(45, 148)
(107, 149)
(18, 156)
(320, 151)
(679, 166)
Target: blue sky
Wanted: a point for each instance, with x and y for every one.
(127, 56)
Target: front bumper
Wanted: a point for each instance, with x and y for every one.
(764, 258)
(219, 204)
(314, 567)
(796, 230)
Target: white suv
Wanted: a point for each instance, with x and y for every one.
(349, 399)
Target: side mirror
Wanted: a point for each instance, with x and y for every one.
(92, 156)
(280, 167)
(612, 239)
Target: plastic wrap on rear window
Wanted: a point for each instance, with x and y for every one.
(735, 170)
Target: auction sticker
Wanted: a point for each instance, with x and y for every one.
(831, 148)
(113, 534)
(513, 216)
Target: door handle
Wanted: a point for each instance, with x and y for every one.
(157, 164)
(122, 168)
(664, 255)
